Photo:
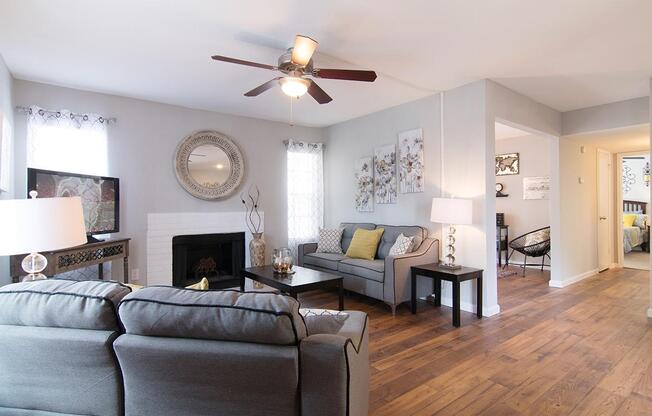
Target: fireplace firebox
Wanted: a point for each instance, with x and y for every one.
(219, 258)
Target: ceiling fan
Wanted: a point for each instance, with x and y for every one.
(296, 63)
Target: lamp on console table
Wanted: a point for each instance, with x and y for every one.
(452, 211)
(33, 225)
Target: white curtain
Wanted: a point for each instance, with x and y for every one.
(64, 141)
(305, 170)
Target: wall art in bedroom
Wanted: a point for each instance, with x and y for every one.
(507, 164)
(410, 161)
(364, 184)
(385, 174)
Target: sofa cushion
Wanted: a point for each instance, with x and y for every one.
(227, 315)
(367, 269)
(324, 260)
(62, 303)
(349, 230)
(391, 234)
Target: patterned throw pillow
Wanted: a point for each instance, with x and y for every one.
(330, 240)
(323, 321)
(403, 245)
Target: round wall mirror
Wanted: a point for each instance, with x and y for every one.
(209, 165)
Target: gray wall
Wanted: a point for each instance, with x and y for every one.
(357, 138)
(141, 151)
(7, 111)
(522, 215)
(607, 116)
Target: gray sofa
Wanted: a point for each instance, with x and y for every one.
(94, 348)
(386, 278)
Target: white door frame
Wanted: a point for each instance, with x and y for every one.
(611, 218)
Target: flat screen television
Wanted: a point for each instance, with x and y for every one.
(100, 196)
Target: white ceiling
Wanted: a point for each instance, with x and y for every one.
(566, 54)
(626, 139)
(503, 131)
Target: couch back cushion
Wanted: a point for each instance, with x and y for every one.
(349, 230)
(393, 231)
(225, 315)
(61, 303)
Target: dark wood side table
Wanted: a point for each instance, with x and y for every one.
(302, 280)
(437, 273)
(502, 244)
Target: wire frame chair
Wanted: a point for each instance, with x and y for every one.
(533, 244)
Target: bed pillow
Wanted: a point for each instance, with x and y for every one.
(330, 240)
(628, 220)
(640, 221)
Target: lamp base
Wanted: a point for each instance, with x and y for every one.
(34, 276)
(33, 264)
(450, 266)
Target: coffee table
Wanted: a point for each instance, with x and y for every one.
(302, 280)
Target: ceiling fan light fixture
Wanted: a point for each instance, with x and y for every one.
(303, 49)
(294, 86)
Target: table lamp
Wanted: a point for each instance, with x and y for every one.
(451, 211)
(43, 224)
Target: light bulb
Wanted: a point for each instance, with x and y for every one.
(294, 86)
(219, 166)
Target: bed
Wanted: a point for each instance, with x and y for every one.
(635, 226)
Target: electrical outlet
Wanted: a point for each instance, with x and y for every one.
(135, 275)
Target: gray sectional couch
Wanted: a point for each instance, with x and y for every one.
(385, 278)
(95, 348)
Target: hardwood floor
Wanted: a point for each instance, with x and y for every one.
(581, 350)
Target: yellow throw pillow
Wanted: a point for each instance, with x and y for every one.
(201, 285)
(628, 220)
(365, 243)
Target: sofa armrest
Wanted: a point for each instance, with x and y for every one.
(303, 249)
(397, 270)
(335, 370)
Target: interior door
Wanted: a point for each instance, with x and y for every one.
(605, 203)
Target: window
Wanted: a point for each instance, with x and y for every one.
(67, 142)
(305, 173)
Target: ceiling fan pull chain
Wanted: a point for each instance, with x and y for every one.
(291, 112)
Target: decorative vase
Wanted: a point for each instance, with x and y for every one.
(257, 250)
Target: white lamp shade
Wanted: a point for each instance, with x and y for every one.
(41, 224)
(452, 211)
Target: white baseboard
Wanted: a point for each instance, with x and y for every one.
(573, 279)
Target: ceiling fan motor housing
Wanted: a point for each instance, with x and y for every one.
(286, 65)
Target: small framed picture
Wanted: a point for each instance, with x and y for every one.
(507, 164)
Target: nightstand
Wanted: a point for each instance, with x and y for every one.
(437, 273)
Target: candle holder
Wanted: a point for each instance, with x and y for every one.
(282, 261)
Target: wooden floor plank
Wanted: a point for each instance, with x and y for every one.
(583, 350)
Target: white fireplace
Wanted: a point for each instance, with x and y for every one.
(162, 227)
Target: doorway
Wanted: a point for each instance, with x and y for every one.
(634, 200)
(524, 171)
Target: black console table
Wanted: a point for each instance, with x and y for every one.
(91, 254)
(502, 241)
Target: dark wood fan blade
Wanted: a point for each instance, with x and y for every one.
(318, 94)
(241, 62)
(262, 88)
(346, 74)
